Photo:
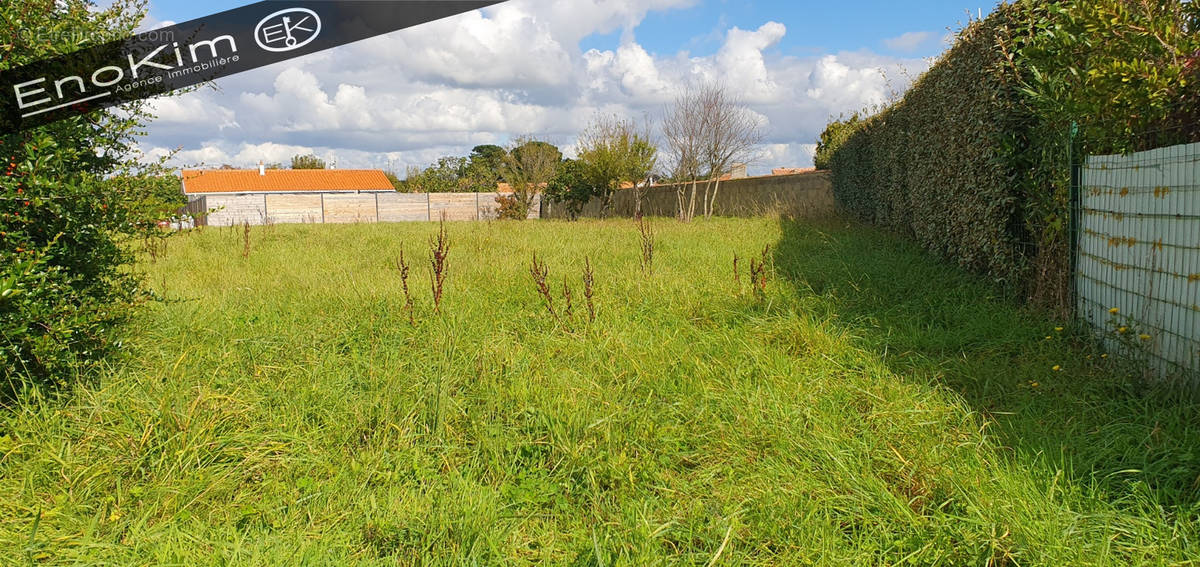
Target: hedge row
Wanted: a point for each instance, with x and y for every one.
(931, 166)
(973, 162)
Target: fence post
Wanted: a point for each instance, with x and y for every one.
(1076, 196)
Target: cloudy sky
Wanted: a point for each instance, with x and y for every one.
(545, 68)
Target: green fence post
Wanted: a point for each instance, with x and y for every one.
(1074, 159)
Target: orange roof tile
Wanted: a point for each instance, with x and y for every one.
(792, 170)
(283, 180)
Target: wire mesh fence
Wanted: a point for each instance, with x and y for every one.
(1137, 254)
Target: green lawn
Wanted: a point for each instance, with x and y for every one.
(872, 406)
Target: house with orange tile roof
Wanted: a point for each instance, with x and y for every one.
(228, 197)
(223, 197)
(241, 181)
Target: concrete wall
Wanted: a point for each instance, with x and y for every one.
(257, 209)
(294, 208)
(350, 208)
(399, 207)
(805, 194)
(236, 209)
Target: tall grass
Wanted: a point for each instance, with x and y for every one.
(871, 407)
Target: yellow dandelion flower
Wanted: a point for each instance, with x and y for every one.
(1049, 338)
(1114, 310)
(1122, 330)
(1144, 337)
(1059, 329)
(1056, 368)
(1104, 356)
(1034, 384)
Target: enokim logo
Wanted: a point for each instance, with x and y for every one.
(286, 30)
(166, 59)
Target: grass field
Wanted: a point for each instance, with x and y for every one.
(870, 407)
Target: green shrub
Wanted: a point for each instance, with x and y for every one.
(574, 185)
(72, 202)
(833, 136)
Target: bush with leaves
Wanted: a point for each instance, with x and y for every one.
(72, 199)
(573, 186)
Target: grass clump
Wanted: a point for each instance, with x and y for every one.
(876, 408)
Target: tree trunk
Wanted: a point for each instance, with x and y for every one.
(713, 202)
(692, 204)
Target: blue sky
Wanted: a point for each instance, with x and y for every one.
(546, 68)
(817, 26)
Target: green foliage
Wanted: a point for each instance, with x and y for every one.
(393, 179)
(307, 162)
(70, 200)
(833, 136)
(574, 185)
(478, 173)
(1117, 68)
(974, 162)
(484, 166)
(616, 152)
(528, 168)
(927, 166)
(448, 175)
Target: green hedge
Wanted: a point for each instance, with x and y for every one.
(933, 166)
(973, 162)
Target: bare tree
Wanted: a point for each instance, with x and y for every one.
(616, 152)
(682, 135)
(707, 131)
(528, 169)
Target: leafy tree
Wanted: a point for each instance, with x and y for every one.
(574, 185)
(393, 179)
(307, 162)
(72, 195)
(528, 169)
(617, 152)
(483, 167)
(448, 175)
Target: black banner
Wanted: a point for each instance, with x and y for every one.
(170, 58)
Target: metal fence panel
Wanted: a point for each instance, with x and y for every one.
(1138, 256)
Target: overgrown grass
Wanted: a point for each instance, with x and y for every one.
(869, 407)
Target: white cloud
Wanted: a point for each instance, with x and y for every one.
(909, 42)
(512, 69)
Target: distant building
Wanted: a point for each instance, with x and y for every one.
(237, 196)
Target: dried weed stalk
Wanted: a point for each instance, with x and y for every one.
(402, 267)
(539, 271)
(589, 288)
(647, 233)
(439, 248)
